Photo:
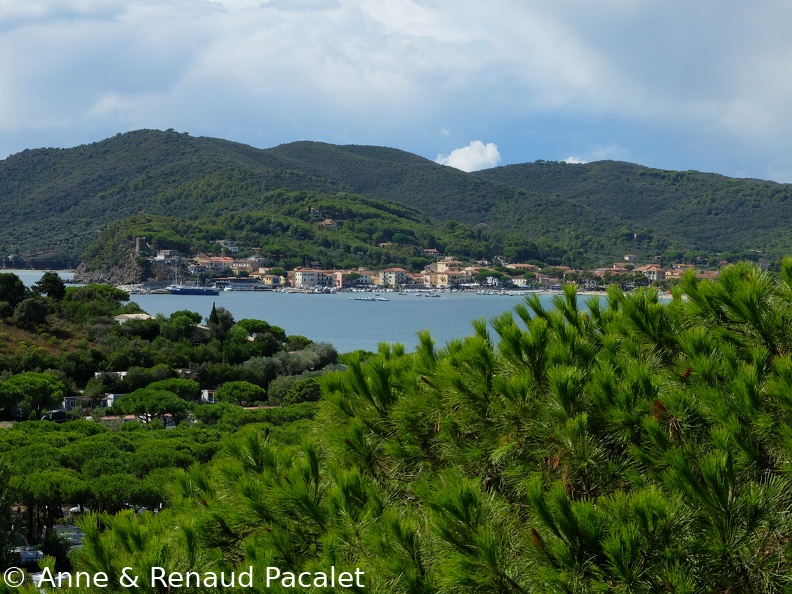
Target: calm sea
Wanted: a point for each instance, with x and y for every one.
(346, 324)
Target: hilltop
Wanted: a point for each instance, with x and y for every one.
(55, 202)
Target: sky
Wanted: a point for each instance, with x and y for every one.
(472, 84)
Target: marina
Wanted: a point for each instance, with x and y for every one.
(339, 318)
(344, 322)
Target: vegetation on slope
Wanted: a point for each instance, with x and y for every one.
(638, 447)
(702, 210)
(60, 343)
(288, 231)
(55, 201)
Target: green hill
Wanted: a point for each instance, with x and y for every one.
(702, 210)
(55, 202)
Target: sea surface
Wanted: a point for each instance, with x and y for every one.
(345, 323)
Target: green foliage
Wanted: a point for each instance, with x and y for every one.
(186, 389)
(6, 524)
(154, 402)
(34, 392)
(198, 190)
(12, 289)
(51, 285)
(83, 304)
(31, 313)
(306, 390)
(240, 393)
(45, 467)
(642, 447)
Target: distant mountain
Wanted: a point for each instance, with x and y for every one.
(55, 202)
(703, 210)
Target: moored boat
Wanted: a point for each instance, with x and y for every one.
(192, 290)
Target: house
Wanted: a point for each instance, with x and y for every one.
(108, 400)
(393, 277)
(674, 274)
(243, 266)
(445, 279)
(523, 267)
(351, 278)
(366, 277)
(214, 264)
(449, 265)
(197, 269)
(308, 278)
(271, 281)
(653, 272)
(231, 246)
(167, 256)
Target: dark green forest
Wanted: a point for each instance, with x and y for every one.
(55, 202)
(631, 445)
(61, 343)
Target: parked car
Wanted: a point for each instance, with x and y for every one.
(26, 553)
(56, 416)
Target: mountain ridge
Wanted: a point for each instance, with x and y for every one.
(54, 202)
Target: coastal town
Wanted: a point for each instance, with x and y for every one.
(231, 272)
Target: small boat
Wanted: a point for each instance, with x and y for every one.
(192, 290)
(375, 298)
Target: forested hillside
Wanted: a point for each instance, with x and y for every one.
(704, 210)
(634, 447)
(288, 229)
(55, 201)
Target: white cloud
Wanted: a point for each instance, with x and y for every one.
(665, 82)
(574, 160)
(472, 157)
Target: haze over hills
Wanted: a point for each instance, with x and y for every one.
(54, 202)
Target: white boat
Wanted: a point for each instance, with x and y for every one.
(374, 298)
(192, 290)
(178, 288)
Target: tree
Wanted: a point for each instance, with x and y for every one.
(31, 313)
(150, 403)
(180, 325)
(306, 390)
(219, 322)
(6, 525)
(39, 391)
(12, 289)
(51, 285)
(639, 279)
(213, 317)
(351, 278)
(6, 309)
(241, 393)
(633, 446)
(111, 492)
(44, 493)
(186, 389)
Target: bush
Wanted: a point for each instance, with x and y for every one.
(304, 390)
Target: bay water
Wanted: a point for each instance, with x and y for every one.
(338, 319)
